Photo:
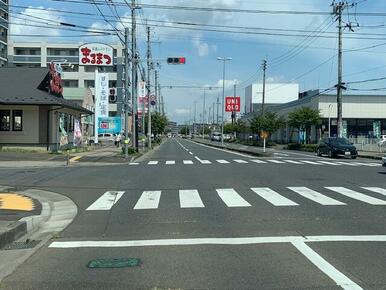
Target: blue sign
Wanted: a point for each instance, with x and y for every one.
(109, 125)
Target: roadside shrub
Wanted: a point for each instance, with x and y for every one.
(130, 150)
(302, 147)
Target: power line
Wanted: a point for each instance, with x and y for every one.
(367, 81)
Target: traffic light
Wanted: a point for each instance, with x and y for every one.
(112, 95)
(176, 60)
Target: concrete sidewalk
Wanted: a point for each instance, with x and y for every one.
(258, 151)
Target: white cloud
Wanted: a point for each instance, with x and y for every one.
(202, 47)
(33, 26)
(227, 83)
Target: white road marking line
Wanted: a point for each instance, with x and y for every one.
(357, 195)
(216, 241)
(152, 163)
(222, 161)
(188, 162)
(366, 164)
(293, 161)
(191, 153)
(231, 198)
(281, 154)
(315, 196)
(170, 162)
(276, 161)
(347, 163)
(203, 161)
(329, 163)
(310, 162)
(106, 201)
(257, 161)
(133, 163)
(273, 197)
(148, 200)
(338, 277)
(190, 199)
(220, 149)
(240, 161)
(376, 190)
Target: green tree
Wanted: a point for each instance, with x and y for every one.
(158, 123)
(303, 119)
(270, 122)
(229, 128)
(185, 130)
(241, 127)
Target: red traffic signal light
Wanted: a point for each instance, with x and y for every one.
(176, 60)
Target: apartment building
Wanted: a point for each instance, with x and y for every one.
(39, 54)
(4, 25)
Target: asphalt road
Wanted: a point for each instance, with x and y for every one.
(200, 217)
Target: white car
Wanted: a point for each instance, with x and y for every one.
(103, 138)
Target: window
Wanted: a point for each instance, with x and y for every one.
(17, 120)
(5, 119)
(89, 83)
(70, 83)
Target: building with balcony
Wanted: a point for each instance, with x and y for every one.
(4, 16)
(40, 54)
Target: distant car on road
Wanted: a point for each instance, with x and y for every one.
(336, 146)
(216, 136)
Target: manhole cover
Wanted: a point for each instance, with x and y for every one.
(28, 244)
(114, 263)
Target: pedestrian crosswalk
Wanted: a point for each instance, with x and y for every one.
(232, 198)
(199, 161)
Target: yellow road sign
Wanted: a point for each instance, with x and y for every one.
(14, 201)
(264, 134)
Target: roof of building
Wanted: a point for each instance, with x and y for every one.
(19, 86)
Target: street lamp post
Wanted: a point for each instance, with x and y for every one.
(223, 59)
(329, 120)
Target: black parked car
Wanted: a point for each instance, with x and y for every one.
(336, 146)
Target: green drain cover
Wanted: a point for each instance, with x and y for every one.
(114, 263)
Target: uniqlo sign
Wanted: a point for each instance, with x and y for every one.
(96, 54)
(232, 104)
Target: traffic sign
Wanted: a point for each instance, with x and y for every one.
(176, 60)
(264, 134)
(232, 104)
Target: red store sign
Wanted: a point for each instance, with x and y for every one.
(232, 104)
(96, 54)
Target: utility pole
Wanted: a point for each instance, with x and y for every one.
(162, 109)
(203, 116)
(338, 9)
(264, 67)
(218, 104)
(213, 113)
(134, 77)
(194, 118)
(148, 89)
(155, 90)
(234, 104)
(126, 95)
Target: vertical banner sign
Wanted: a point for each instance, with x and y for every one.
(63, 133)
(77, 133)
(232, 104)
(377, 129)
(101, 99)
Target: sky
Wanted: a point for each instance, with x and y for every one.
(306, 57)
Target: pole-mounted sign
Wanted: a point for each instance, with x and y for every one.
(96, 54)
(232, 104)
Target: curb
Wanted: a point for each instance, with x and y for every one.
(262, 154)
(57, 213)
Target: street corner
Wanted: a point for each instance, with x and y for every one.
(16, 204)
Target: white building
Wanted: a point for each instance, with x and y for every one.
(39, 54)
(277, 93)
(4, 17)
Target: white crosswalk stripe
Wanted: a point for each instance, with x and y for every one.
(257, 161)
(203, 161)
(293, 161)
(329, 163)
(222, 161)
(240, 161)
(188, 162)
(276, 161)
(152, 163)
(273, 197)
(148, 200)
(106, 201)
(376, 190)
(133, 163)
(310, 162)
(357, 195)
(190, 199)
(315, 196)
(347, 163)
(231, 198)
(170, 162)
